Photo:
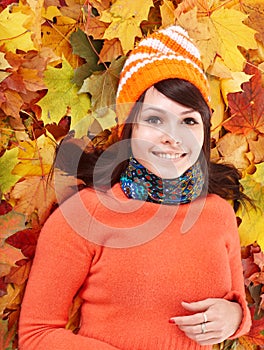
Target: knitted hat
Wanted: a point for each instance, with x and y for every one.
(167, 53)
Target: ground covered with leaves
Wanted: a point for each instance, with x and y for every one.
(59, 67)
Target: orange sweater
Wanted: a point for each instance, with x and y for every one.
(135, 280)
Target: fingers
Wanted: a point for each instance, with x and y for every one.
(190, 320)
(212, 321)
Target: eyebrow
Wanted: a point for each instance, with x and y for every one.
(157, 109)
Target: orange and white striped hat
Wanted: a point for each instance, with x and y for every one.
(166, 53)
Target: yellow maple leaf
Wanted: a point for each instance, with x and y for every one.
(217, 105)
(13, 33)
(125, 18)
(32, 9)
(57, 37)
(255, 10)
(167, 13)
(200, 30)
(251, 227)
(35, 157)
(232, 32)
(219, 33)
(50, 12)
(233, 84)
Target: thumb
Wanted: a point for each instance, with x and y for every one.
(198, 306)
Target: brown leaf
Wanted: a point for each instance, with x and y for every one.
(34, 194)
(95, 28)
(111, 50)
(18, 275)
(233, 150)
(61, 129)
(257, 147)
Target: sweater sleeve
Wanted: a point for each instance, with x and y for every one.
(237, 294)
(60, 266)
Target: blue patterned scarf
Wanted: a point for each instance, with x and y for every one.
(139, 183)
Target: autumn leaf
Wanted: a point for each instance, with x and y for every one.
(35, 157)
(62, 93)
(255, 11)
(3, 66)
(103, 85)
(254, 336)
(13, 34)
(125, 19)
(167, 13)
(89, 50)
(203, 33)
(72, 9)
(257, 147)
(223, 21)
(100, 5)
(19, 274)
(233, 149)
(251, 227)
(51, 12)
(33, 194)
(60, 130)
(247, 107)
(11, 223)
(57, 37)
(5, 207)
(25, 240)
(111, 50)
(233, 83)
(7, 163)
(95, 27)
(9, 256)
(6, 335)
(216, 35)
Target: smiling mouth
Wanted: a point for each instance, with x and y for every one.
(169, 155)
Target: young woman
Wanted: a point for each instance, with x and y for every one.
(152, 244)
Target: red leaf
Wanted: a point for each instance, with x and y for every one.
(5, 207)
(255, 336)
(247, 107)
(26, 240)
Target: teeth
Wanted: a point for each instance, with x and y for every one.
(168, 156)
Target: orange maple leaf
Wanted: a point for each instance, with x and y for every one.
(247, 107)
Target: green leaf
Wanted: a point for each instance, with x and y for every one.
(7, 163)
(103, 85)
(88, 49)
(62, 93)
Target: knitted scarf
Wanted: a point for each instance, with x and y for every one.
(137, 182)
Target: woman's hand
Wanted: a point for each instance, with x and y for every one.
(213, 321)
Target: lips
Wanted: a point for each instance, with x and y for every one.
(170, 155)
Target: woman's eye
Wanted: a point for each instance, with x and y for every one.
(190, 121)
(153, 120)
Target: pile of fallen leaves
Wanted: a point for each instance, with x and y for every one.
(59, 67)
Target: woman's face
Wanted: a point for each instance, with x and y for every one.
(167, 137)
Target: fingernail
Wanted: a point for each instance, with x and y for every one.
(171, 321)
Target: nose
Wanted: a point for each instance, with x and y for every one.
(171, 138)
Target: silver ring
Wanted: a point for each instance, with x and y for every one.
(205, 317)
(203, 328)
